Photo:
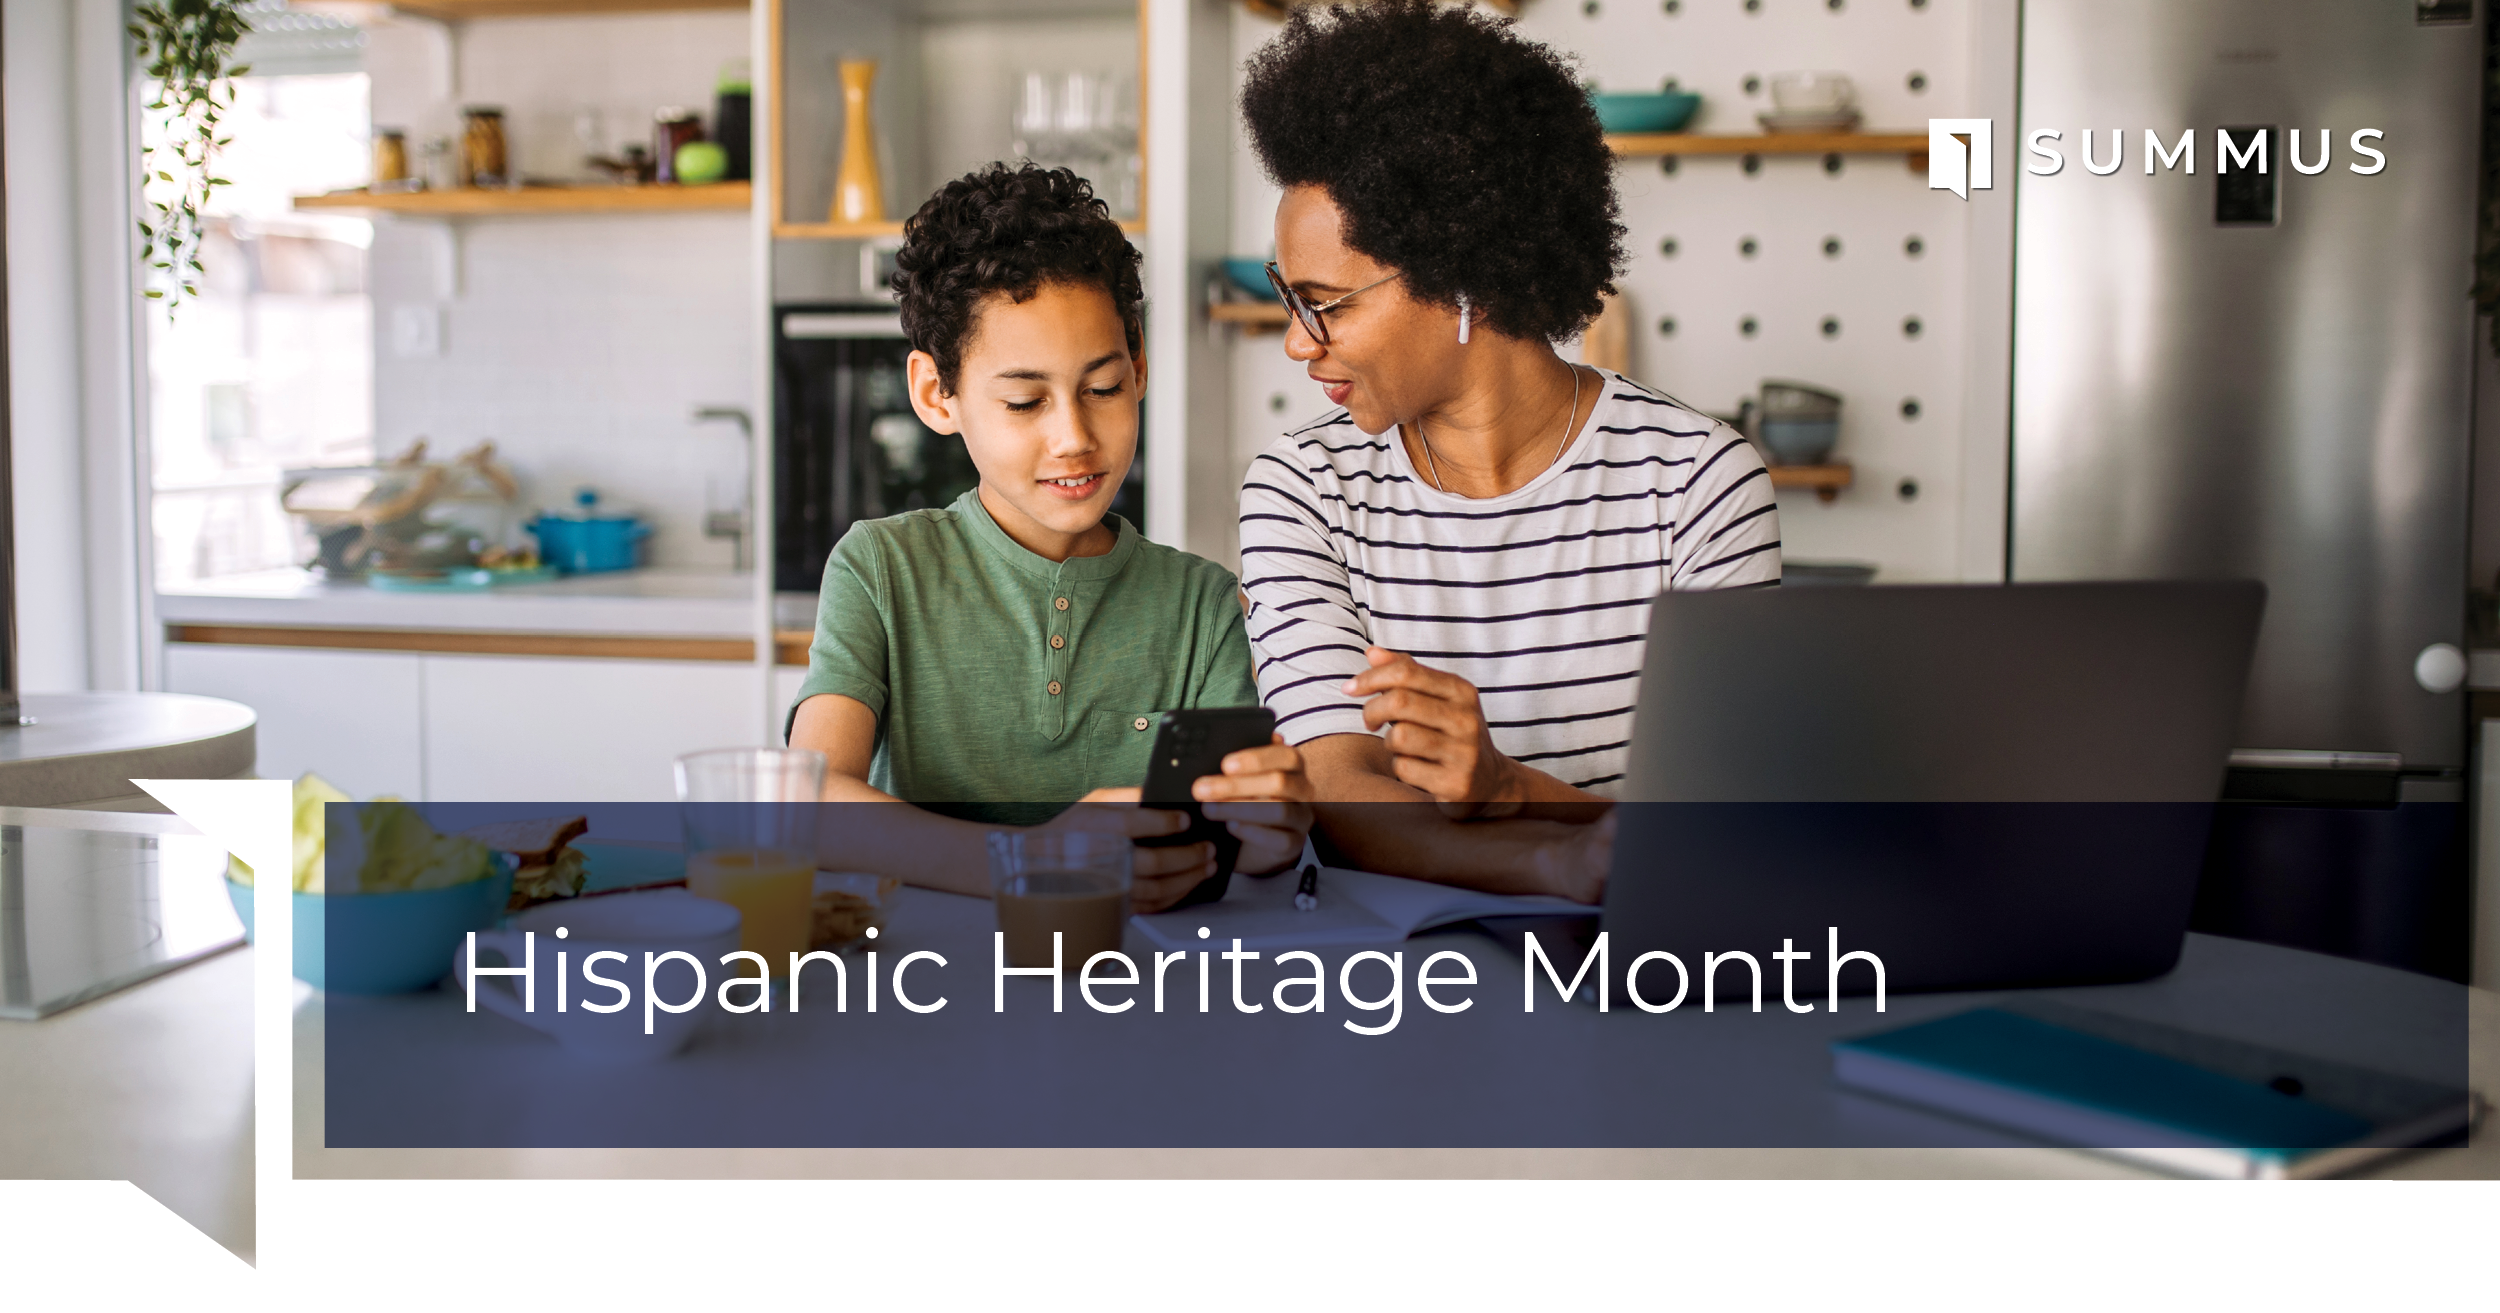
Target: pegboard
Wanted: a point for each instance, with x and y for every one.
(1854, 278)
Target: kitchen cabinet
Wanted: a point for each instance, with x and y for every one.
(548, 729)
(352, 716)
(786, 681)
(461, 728)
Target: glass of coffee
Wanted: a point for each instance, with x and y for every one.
(750, 816)
(1074, 885)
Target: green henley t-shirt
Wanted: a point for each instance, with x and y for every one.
(1006, 686)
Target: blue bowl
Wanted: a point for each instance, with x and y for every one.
(1644, 111)
(388, 943)
(1250, 275)
(1800, 441)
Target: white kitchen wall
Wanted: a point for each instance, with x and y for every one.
(580, 344)
(1709, 205)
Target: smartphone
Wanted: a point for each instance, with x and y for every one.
(1189, 744)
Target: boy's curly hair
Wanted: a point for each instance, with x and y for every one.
(1462, 154)
(1008, 228)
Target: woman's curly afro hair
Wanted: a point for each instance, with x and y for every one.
(1008, 229)
(1463, 155)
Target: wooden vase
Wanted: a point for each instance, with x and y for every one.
(858, 196)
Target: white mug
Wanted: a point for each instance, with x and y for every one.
(630, 925)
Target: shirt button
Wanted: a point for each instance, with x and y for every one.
(1061, 603)
(1058, 641)
(1054, 688)
(1140, 722)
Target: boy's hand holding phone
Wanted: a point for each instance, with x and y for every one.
(1264, 798)
(1160, 877)
(1252, 805)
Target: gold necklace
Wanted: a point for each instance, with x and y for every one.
(1559, 443)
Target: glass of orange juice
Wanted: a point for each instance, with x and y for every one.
(750, 823)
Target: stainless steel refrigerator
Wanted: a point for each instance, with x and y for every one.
(2222, 371)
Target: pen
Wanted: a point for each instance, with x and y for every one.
(1306, 897)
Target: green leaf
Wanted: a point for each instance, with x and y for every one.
(154, 294)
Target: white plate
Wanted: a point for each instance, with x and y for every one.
(1777, 122)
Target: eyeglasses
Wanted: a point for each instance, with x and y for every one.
(1307, 314)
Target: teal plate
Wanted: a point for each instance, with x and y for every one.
(455, 581)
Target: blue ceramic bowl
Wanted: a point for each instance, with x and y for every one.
(1250, 275)
(1801, 441)
(387, 943)
(1645, 111)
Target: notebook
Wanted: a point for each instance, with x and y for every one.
(1356, 909)
(2196, 1105)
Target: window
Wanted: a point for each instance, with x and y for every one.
(271, 367)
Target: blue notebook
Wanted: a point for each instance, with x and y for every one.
(2201, 1105)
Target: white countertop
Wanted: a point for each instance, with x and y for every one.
(655, 602)
(152, 1085)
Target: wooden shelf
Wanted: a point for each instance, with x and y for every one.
(840, 231)
(1825, 481)
(478, 202)
(852, 232)
(1252, 317)
(1276, 10)
(1767, 143)
(455, 11)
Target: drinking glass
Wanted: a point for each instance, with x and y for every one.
(1074, 883)
(750, 819)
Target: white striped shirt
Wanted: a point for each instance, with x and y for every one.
(1539, 597)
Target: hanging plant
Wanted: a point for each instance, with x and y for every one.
(183, 46)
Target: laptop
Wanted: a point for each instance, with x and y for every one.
(1984, 786)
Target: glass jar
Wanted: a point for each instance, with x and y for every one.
(483, 160)
(672, 126)
(390, 159)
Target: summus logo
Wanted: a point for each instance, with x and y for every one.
(1959, 152)
(2234, 148)
(1956, 167)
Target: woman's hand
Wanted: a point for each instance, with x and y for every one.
(1264, 798)
(1575, 866)
(1160, 875)
(1436, 736)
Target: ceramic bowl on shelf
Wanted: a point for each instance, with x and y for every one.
(1800, 441)
(1644, 111)
(1249, 273)
(1799, 423)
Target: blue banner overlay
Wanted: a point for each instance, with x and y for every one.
(2005, 974)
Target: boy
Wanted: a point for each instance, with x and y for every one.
(1003, 658)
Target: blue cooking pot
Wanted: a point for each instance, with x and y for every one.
(586, 542)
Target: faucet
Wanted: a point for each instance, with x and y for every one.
(732, 523)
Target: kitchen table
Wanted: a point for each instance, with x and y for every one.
(2251, 991)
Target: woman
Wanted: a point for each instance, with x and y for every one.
(1449, 575)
